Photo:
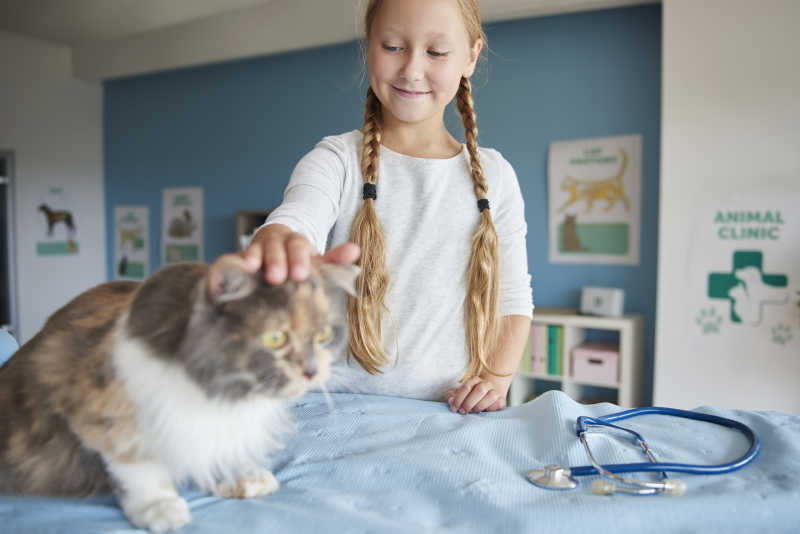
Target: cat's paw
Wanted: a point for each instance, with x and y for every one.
(163, 515)
(256, 484)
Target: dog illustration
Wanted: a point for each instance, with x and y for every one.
(54, 217)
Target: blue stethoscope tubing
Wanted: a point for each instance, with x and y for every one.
(607, 420)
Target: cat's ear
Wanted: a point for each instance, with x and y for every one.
(342, 276)
(229, 279)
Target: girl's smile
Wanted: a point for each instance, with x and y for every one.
(410, 94)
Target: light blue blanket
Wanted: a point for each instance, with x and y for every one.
(382, 464)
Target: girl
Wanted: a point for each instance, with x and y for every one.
(444, 299)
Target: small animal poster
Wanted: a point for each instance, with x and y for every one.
(58, 223)
(742, 317)
(182, 225)
(131, 242)
(595, 200)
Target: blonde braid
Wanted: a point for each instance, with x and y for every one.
(480, 305)
(364, 313)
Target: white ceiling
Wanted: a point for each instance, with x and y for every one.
(76, 22)
(112, 38)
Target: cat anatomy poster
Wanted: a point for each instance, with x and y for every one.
(131, 242)
(594, 192)
(182, 225)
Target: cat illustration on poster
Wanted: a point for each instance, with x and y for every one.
(570, 240)
(610, 189)
(182, 227)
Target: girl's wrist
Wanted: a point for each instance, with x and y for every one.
(501, 384)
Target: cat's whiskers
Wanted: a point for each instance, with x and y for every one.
(328, 399)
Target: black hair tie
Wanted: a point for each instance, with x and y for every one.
(483, 204)
(370, 191)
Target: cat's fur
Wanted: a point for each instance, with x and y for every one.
(139, 387)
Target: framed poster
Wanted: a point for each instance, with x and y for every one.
(131, 242)
(594, 197)
(182, 225)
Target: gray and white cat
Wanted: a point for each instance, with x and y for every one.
(140, 387)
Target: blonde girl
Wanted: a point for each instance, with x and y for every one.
(444, 299)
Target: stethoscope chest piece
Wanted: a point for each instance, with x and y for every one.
(552, 476)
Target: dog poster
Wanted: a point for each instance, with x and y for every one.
(131, 242)
(58, 223)
(594, 194)
(182, 225)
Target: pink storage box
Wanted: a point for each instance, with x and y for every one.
(596, 362)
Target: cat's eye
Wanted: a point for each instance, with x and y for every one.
(323, 335)
(274, 339)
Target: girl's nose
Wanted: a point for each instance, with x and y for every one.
(413, 68)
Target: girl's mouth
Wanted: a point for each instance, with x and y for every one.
(410, 94)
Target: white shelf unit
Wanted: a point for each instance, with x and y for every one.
(629, 388)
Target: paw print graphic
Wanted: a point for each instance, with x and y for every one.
(781, 334)
(709, 321)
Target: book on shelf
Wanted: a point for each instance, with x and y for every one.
(525, 362)
(560, 351)
(552, 349)
(539, 349)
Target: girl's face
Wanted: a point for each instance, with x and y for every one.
(417, 52)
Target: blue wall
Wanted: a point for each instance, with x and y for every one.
(237, 129)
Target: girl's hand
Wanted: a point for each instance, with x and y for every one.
(478, 394)
(283, 252)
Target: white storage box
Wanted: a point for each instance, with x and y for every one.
(596, 362)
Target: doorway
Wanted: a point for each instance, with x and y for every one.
(8, 260)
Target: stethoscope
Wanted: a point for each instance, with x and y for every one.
(558, 477)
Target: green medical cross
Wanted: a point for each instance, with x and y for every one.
(720, 283)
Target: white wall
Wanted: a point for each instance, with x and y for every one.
(730, 124)
(53, 124)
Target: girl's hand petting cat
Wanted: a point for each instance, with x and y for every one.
(283, 252)
(478, 394)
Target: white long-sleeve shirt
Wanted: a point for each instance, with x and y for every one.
(428, 211)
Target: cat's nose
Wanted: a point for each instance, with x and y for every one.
(309, 369)
(309, 364)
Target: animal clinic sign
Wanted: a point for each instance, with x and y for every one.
(743, 305)
(744, 225)
(594, 196)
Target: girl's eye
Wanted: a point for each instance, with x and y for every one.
(274, 339)
(434, 53)
(391, 48)
(323, 335)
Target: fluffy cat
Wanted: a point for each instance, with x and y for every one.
(139, 387)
